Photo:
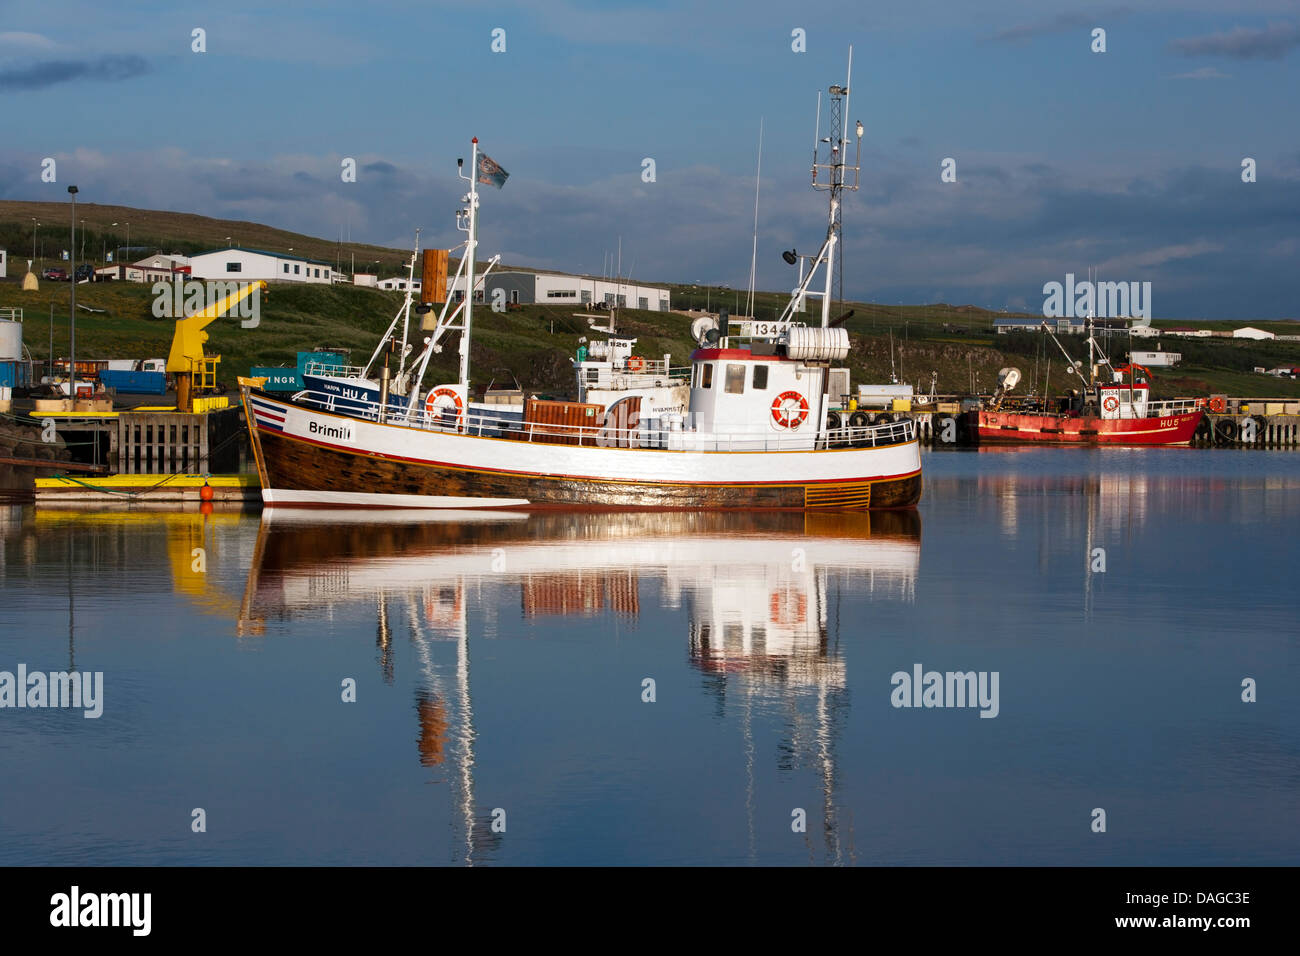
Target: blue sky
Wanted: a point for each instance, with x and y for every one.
(1128, 160)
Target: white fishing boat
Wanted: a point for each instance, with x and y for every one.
(758, 431)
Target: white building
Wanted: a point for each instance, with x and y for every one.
(4, 264)
(367, 279)
(1157, 359)
(1144, 331)
(398, 285)
(1251, 333)
(173, 262)
(553, 288)
(139, 273)
(246, 265)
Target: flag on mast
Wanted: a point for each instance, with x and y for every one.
(489, 172)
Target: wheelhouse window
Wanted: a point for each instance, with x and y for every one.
(706, 377)
(760, 377)
(735, 379)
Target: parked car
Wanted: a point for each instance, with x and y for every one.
(55, 275)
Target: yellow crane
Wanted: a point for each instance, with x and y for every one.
(196, 372)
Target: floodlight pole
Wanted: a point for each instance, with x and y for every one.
(72, 307)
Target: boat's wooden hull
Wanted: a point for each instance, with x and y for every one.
(389, 466)
(1086, 430)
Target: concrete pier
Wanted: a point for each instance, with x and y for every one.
(155, 440)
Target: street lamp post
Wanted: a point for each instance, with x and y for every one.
(35, 225)
(83, 240)
(72, 307)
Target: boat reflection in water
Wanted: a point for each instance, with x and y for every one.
(760, 592)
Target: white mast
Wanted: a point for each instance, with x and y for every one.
(470, 247)
(406, 311)
(753, 259)
(836, 183)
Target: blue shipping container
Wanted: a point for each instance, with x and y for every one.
(135, 383)
(14, 374)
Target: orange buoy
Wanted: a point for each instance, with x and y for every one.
(206, 492)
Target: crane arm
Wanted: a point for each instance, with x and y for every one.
(187, 343)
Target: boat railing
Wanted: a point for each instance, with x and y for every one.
(333, 369)
(636, 365)
(870, 436)
(674, 436)
(1176, 406)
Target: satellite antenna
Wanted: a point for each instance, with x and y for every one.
(1007, 379)
(701, 327)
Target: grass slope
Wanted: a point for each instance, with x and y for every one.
(534, 343)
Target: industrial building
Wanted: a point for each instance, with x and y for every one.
(397, 284)
(552, 288)
(1063, 325)
(135, 272)
(246, 265)
(1250, 332)
(1159, 359)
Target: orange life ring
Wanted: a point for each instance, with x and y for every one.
(789, 409)
(1217, 404)
(635, 363)
(1110, 403)
(435, 410)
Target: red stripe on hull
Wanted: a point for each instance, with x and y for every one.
(1078, 430)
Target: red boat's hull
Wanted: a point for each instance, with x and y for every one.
(1087, 430)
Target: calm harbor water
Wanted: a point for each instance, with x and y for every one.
(502, 667)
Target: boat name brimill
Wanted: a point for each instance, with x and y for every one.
(341, 432)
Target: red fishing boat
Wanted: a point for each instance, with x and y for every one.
(1115, 412)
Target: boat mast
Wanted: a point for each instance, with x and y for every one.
(836, 182)
(1070, 363)
(753, 259)
(406, 307)
(1092, 364)
(470, 247)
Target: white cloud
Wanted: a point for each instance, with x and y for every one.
(25, 42)
(1204, 73)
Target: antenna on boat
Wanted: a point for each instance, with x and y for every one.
(835, 170)
(753, 260)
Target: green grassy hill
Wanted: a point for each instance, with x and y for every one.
(154, 230)
(534, 343)
(954, 343)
